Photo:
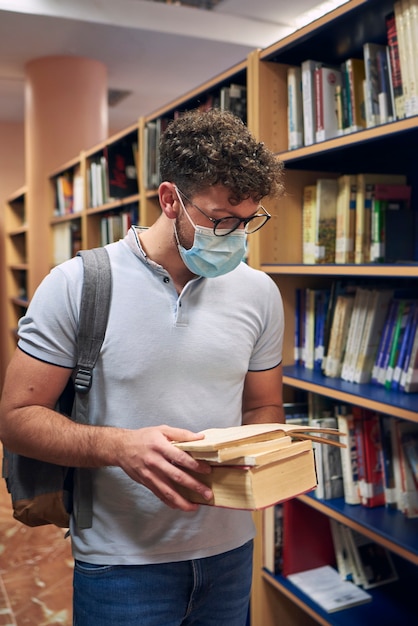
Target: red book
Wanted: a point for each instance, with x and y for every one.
(307, 538)
(372, 490)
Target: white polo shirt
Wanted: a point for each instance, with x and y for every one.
(169, 359)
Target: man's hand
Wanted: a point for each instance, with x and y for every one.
(150, 458)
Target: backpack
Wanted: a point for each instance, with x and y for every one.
(42, 492)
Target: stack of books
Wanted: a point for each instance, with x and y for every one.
(257, 465)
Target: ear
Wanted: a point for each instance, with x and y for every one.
(169, 201)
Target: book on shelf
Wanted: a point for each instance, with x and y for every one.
(302, 525)
(66, 240)
(321, 307)
(396, 75)
(386, 198)
(325, 587)
(405, 17)
(364, 198)
(294, 108)
(327, 463)
(401, 226)
(64, 194)
(355, 74)
(391, 492)
(338, 337)
(346, 215)
(406, 436)
(378, 93)
(335, 290)
(409, 375)
(325, 219)
(372, 331)
(397, 338)
(308, 100)
(121, 168)
(378, 370)
(326, 81)
(232, 98)
(299, 325)
(349, 462)
(362, 298)
(257, 465)
(399, 344)
(308, 353)
(372, 561)
(342, 554)
(308, 224)
(369, 455)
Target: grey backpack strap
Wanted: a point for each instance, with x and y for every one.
(94, 312)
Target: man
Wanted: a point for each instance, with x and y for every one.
(194, 340)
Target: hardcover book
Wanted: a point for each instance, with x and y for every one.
(251, 472)
(326, 219)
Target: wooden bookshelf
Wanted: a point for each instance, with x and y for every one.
(17, 266)
(277, 250)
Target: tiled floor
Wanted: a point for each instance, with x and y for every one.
(35, 572)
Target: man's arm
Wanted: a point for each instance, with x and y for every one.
(263, 397)
(29, 425)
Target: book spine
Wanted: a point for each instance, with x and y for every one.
(294, 108)
(326, 220)
(349, 463)
(308, 224)
(398, 331)
(409, 349)
(388, 462)
(403, 345)
(392, 38)
(384, 343)
(372, 490)
(308, 101)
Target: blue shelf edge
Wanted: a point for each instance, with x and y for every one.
(390, 524)
(392, 603)
(400, 400)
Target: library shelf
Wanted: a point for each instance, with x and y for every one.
(374, 397)
(393, 603)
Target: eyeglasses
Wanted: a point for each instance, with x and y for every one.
(226, 225)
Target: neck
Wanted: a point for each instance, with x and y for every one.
(160, 246)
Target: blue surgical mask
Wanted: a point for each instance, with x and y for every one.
(212, 256)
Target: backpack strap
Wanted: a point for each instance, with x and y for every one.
(94, 313)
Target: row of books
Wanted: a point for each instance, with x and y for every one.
(305, 546)
(359, 334)
(69, 193)
(327, 101)
(112, 174)
(114, 226)
(378, 466)
(232, 97)
(66, 240)
(362, 218)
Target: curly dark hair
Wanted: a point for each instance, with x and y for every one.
(202, 149)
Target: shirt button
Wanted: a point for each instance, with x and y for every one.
(166, 279)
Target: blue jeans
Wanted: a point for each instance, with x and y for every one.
(212, 591)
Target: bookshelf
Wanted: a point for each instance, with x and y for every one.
(102, 195)
(209, 94)
(17, 265)
(277, 249)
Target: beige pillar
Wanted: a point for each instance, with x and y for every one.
(65, 111)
